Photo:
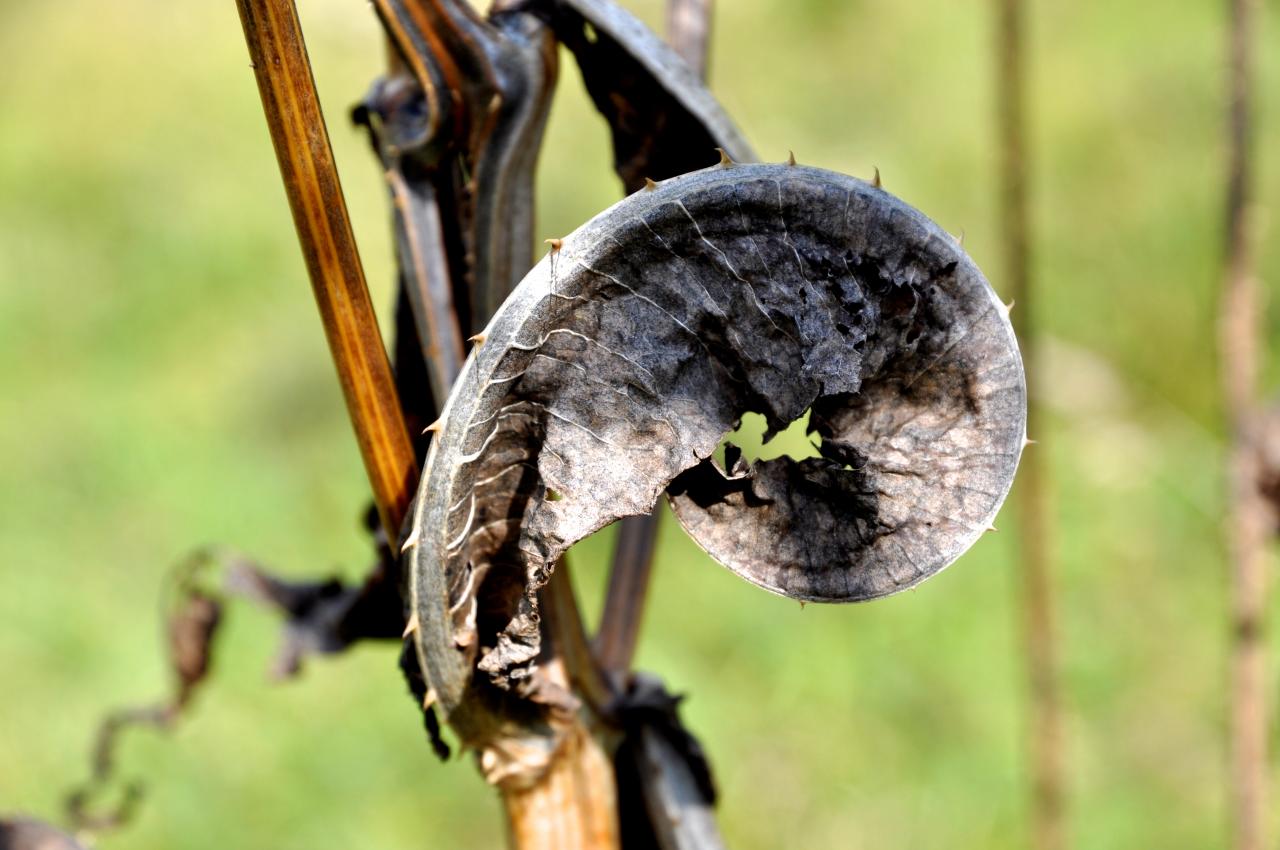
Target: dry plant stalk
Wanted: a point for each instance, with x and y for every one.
(1032, 509)
(292, 109)
(1248, 518)
(573, 806)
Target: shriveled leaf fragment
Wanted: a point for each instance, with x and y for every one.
(324, 616)
(619, 364)
(663, 119)
(192, 616)
(666, 794)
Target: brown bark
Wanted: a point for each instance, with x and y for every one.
(310, 175)
(574, 805)
(1031, 501)
(1247, 515)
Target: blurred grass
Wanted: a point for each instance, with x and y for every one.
(165, 385)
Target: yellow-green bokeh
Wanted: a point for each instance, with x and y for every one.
(164, 384)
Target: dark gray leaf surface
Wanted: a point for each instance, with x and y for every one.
(619, 364)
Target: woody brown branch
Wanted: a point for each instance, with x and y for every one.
(301, 141)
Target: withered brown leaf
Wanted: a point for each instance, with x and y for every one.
(619, 364)
(660, 114)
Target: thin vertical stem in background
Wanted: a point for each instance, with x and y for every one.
(1247, 517)
(1046, 740)
(310, 175)
(688, 31)
(620, 621)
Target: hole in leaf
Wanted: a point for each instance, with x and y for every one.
(794, 441)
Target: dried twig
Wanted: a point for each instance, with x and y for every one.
(574, 806)
(292, 109)
(192, 612)
(1034, 531)
(461, 157)
(324, 616)
(1248, 519)
(666, 794)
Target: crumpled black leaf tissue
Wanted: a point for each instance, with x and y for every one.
(619, 364)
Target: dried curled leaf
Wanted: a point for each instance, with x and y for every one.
(619, 364)
(661, 116)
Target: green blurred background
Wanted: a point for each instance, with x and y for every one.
(165, 384)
